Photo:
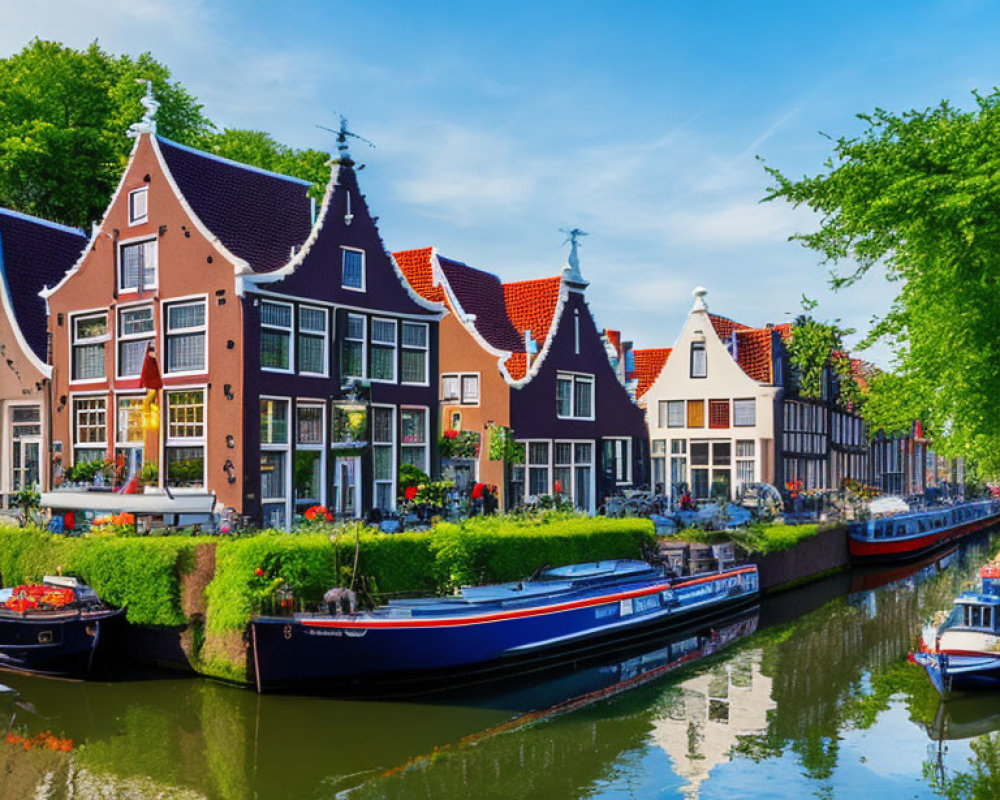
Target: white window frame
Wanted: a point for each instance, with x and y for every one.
(572, 466)
(281, 447)
(288, 331)
(75, 444)
(133, 218)
(699, 347)
(321, 448)
(529, 465)
(743, 461)
(167, 332)
(373, 344)
(673, 404)
(364, 270)
(426, 446)
(323, 335)
(119, 278)
(573, 378)
(92, 340)
(394, 458)
(451, 399)
(149, 336)
(185, 441)
(413, 348)
(364, 347)
(479, 388)
(627, 458)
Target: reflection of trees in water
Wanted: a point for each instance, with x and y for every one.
(840, 667)
(980, 782)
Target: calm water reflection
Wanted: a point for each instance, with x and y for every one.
(813, 697)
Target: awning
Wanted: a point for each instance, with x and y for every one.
(116, 502)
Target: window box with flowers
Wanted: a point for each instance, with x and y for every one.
(459, 444)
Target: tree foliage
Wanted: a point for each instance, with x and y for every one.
(918, 194)
(816, 345)
(64, 115)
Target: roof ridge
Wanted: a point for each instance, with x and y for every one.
(10, 212)
(239, 164)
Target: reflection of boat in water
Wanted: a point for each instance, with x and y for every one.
(965, 717)
(487, 630)
(912, 573)
(964, 651)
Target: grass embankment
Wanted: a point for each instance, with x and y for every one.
(213, 586)
(762, 538)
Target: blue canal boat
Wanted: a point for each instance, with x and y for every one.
(58, 630)
(963, 653)
(486, 629)
(910, 535)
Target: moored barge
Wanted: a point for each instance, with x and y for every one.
(904, 536)
(486, 630)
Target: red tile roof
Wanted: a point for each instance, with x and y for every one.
(648, 366)
(754, 350)
(615, 340)
(531, 306)
(724, 326)
(417, 269)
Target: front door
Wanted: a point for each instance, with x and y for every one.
(26, 447)
(347, 486)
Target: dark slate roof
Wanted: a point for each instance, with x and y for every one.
(35, 253)
(258, 215)
(481, 293)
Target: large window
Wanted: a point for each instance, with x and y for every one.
(90, 428)
(352, 348)
(129, 434)
(276, 336)
(311, 342)
(135, 334)
(618, 459)
(186, 337)
(307, 477)
(353, 273)
(413, 437)
(89, 335)
(658, 453)
(185, 438)
(745, 469)
(572, 472)
(744, 413)
(678, 463)
(274, 439)
(383, 456)
(574, 396)
(539, 467)
(382, 361)
(699, 360)
(137, 266)
(414, 353)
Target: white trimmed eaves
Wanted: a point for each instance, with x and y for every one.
(466, 321)
(47, 292)
(550, 336)
(239, 265)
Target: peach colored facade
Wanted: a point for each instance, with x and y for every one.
(460, 354)
(190, 266)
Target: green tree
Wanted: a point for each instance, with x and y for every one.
(918, 194)
(63, 118)
(64, 115)
(816, 345)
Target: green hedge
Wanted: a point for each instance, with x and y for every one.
(143, 575)
(762, 538)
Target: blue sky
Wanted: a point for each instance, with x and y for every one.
(498, 123)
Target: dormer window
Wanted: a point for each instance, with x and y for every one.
(138, 208)
(353, 270)
(699, 360)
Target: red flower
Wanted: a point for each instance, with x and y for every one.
(411, 492)
(259, 572)
(477, 490)
(557, 488)
(450, 434)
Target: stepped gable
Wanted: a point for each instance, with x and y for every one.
(481, 293)
(35, 253)
(419, 272)
(258, 215)
(649, 364)
(531, 306)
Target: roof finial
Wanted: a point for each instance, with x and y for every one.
(148, 122)
(699, 299)
(572, 272)
(343, 134)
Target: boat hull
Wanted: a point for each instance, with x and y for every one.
(61, 645)
(961, 672)
(344, 654)
(903, 548)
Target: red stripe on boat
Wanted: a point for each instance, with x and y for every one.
(515, 614)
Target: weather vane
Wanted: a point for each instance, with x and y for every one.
(343, 134)
(572, 271)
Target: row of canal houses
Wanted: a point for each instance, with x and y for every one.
(303, 364)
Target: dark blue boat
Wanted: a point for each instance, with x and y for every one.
(486, 629)
(62, 642)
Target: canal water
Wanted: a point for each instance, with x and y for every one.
(809, 695)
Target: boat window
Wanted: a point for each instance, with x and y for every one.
(922, 524)
(975, 617)
(988, 618)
